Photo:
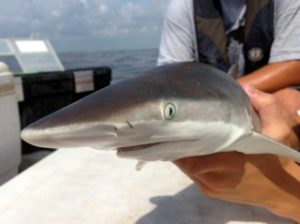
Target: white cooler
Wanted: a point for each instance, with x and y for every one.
(10, 145)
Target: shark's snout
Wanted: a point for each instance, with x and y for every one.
(37, 138)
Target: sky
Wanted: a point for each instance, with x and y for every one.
(85, 25)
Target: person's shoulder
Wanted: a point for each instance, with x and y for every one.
(178, 3)
(282, 4)
(177, 7)
(284, 1)
(283, 8)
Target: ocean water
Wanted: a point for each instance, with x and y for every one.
(124, 64)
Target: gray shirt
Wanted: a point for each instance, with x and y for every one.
(178, 41)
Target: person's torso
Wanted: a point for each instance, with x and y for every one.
(234, 32)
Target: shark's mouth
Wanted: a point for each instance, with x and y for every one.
(137, 147)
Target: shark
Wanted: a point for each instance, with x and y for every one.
(166, 113)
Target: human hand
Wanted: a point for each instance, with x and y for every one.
(278, 113)
(289, 102)
(264, 180)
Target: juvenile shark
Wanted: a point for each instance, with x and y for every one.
(167, 113)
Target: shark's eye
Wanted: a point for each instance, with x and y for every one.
(169, 111)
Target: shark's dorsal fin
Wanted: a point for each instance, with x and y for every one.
(233, 71)
(256, 143)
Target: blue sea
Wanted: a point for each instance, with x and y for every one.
(124, 64)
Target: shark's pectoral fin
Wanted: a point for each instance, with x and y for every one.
(140, 165)
(256, 143)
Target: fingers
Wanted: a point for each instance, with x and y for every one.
(289, 100)
(220, 171)
(273, 123)
(214, 162)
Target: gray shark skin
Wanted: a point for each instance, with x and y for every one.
(169, 112)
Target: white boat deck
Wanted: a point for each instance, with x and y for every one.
(85, 186)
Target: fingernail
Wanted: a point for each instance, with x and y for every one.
(298, 112)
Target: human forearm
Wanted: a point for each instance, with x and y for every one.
(287, 202)
(274, 76)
